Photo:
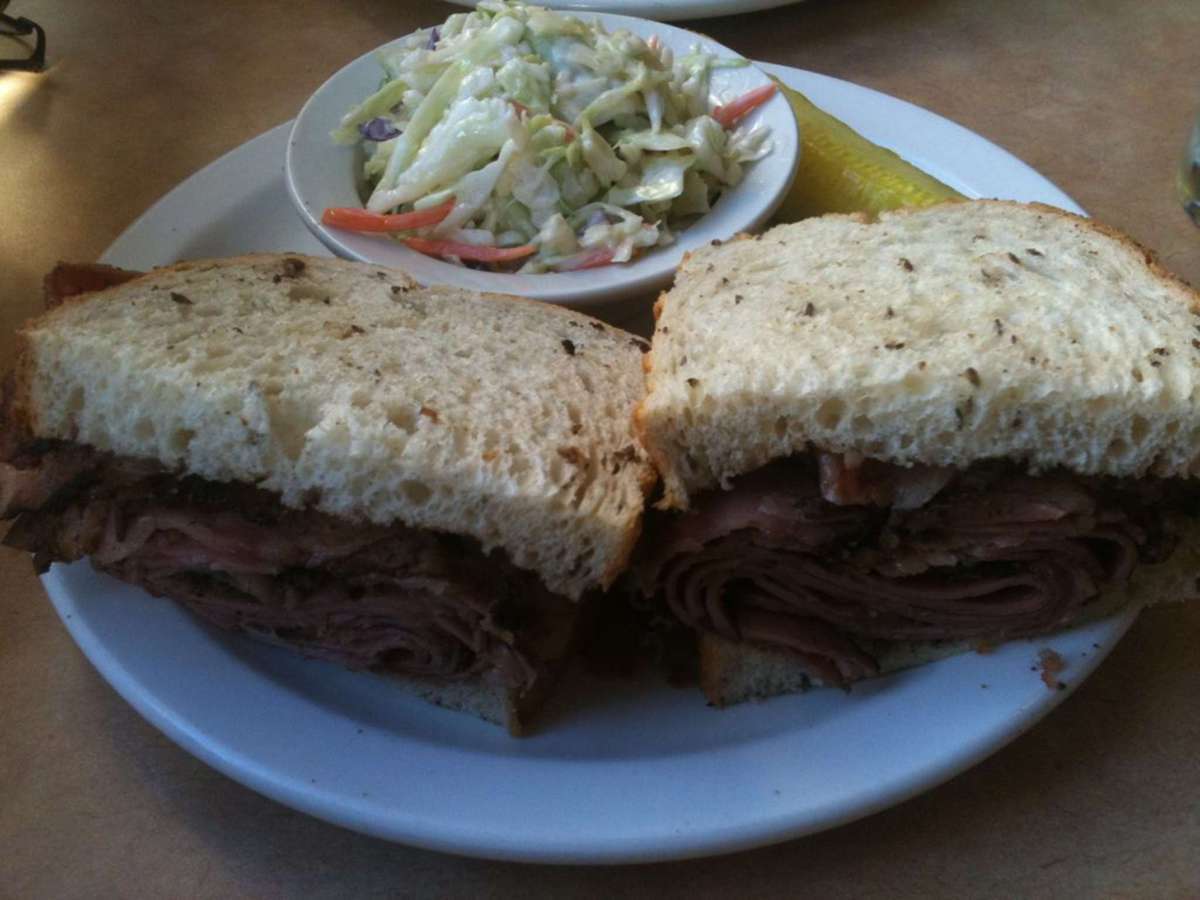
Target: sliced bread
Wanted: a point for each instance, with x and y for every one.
(944, 335)
(354, 390)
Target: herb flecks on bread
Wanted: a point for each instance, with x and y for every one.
(946, 335)
(355, 391)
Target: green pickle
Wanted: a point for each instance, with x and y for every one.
(841, 171)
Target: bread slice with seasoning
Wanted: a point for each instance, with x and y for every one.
(324, 454)
(885, 440)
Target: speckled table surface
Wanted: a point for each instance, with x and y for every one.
(1101, 799)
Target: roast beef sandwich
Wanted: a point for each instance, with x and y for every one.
(885, 440)
(325, 455)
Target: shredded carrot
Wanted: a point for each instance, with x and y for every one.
(728, 114)
(588, 259)
(354, 219)
(473, 252)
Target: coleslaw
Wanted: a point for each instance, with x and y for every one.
(517, 137)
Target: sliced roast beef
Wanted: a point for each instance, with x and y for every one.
(74, 279)
(823, 555)
(367, 596)
(33, 485)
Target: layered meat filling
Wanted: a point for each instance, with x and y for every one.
(824, 556)
(369, 597)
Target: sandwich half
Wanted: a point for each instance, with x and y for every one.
(882, 441)
(424, 482)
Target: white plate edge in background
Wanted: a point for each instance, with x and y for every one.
(659, 10)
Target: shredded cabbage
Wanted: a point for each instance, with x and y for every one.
(547, 129)
(472, 133)
(659, 180)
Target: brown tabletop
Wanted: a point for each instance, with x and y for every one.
(1102, 798)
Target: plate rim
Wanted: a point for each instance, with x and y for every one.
(580, 849)
(670, 11)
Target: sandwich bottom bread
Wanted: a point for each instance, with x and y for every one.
(427, 483)
(883, 441)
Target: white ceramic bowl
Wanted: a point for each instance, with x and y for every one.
(321, 174)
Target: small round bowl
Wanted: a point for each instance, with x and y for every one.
(321, 174)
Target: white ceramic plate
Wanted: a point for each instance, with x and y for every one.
(662, 10)
(627, 771)
(321, 174)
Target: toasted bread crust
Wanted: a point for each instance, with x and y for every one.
(18, 422)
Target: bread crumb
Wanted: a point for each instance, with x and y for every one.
(1051, 664)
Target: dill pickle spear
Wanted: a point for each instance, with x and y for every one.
(841, 171)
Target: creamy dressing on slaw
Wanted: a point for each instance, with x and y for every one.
(549, 133)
